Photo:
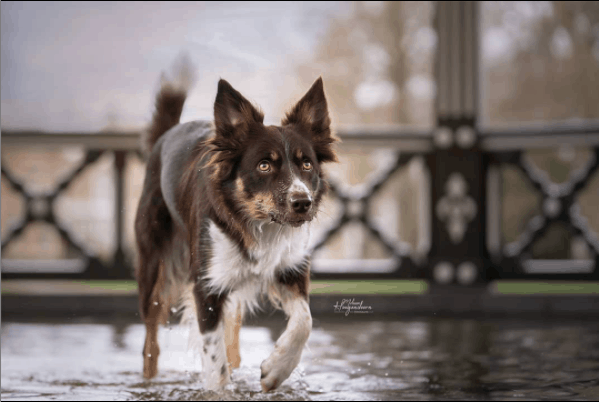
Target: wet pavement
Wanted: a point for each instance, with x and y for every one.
(347, 358)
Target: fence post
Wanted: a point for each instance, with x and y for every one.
(457, 165)
(120, 268)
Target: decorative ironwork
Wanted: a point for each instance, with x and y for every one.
(443, 273)
(467, 273)
(558, 204)
(456, 208)
(40, 207)
(465, 137)
(356, 201)
(443, 137)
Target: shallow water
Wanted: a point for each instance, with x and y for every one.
(346, 359)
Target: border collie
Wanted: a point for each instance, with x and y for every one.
(224, 219)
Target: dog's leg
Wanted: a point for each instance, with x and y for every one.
(215, 370)
(292, 293)
(233, 320)
(156, 312)
(153, 227)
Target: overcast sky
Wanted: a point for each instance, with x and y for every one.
(81, 65)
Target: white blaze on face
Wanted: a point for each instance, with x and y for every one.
(298, 186)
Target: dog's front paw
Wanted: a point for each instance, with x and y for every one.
(214, 362)
(277, 368)
(288, 348)
(215, 379)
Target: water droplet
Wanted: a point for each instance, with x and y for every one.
(210, 309)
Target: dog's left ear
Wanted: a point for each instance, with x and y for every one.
(311, 111)
(312, 114)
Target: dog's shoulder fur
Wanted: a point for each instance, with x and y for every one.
(177, 149)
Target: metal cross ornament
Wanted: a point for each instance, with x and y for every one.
(456, 208)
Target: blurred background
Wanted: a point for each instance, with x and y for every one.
(468, 189)
(93, 67)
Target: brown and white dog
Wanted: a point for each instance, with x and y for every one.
(224, 217)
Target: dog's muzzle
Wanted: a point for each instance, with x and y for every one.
(301, 203)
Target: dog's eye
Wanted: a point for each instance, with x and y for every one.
(264, 166)
(307, 165)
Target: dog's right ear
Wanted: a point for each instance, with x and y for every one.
(233, 113)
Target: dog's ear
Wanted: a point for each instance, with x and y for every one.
(233, 113)
(312, 114)
(311, 110)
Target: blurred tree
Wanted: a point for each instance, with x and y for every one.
(554, 74)
(378, 63)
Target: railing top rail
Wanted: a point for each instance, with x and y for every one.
(578, 126)
(383, 130)
(405, 138)
(502, 143)
(125, 140)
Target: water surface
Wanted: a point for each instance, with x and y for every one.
(346, 359)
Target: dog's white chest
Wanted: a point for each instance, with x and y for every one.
(278, 248)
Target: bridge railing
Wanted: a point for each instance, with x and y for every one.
(460, 215)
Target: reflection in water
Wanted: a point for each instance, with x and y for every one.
(346, 359)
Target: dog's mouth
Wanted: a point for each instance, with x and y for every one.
(297, 222)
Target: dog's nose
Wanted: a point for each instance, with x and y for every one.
(301, 203)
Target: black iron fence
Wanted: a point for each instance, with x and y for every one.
(465, 244)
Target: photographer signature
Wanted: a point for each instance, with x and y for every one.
(352, 306)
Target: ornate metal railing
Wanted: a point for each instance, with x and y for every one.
(459, 211)
(558, 204)
(40, 207)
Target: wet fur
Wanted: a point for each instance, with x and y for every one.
(217, 234)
